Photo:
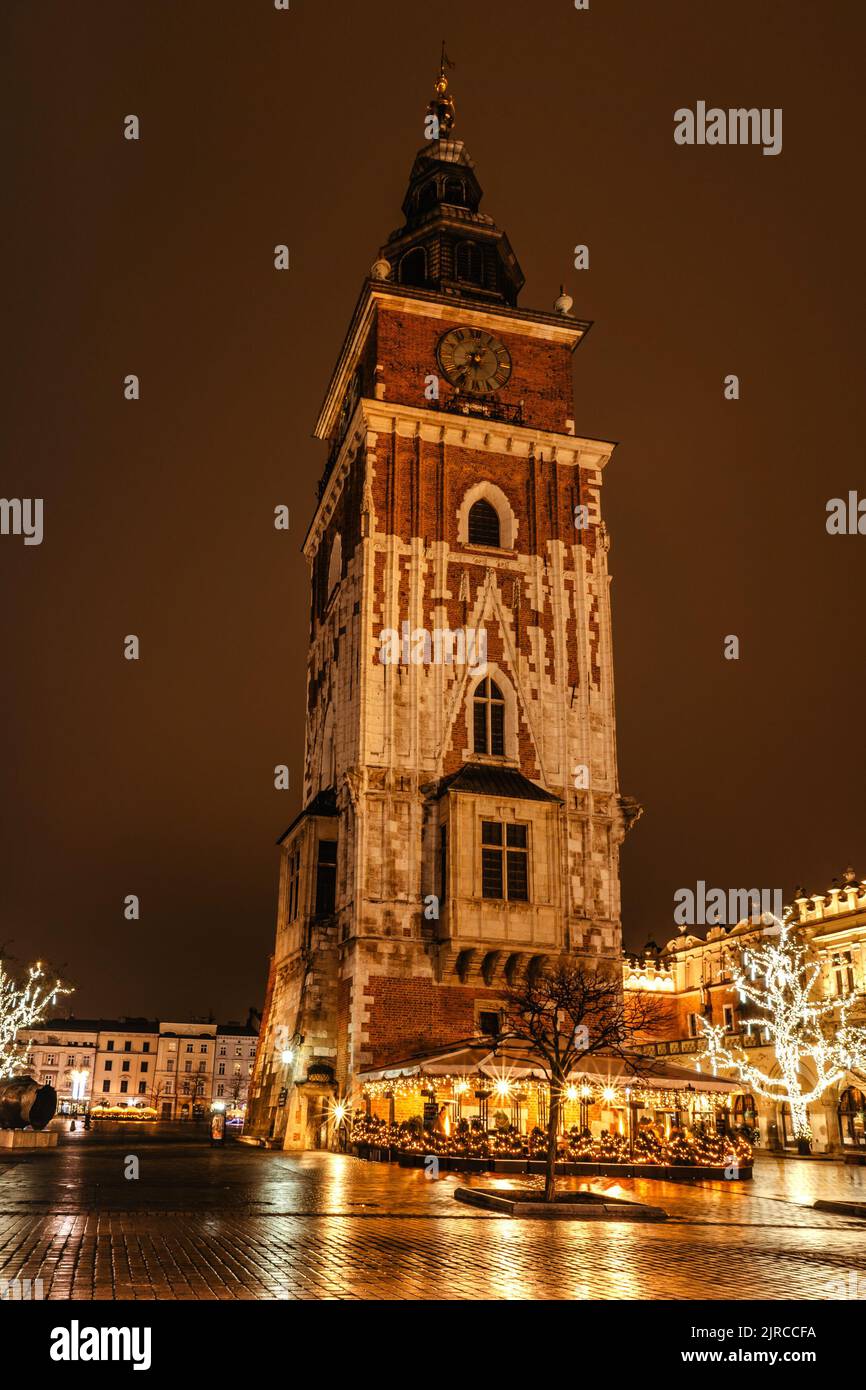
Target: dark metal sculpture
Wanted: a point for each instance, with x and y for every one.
(24, 1102)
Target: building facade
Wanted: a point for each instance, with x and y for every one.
(176, 1069)
(462, 815)
(697, 975)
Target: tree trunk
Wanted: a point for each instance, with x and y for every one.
(800, 1122)
(552, 1130)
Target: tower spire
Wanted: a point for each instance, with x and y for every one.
(442, 106)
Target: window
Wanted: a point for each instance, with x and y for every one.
(294, 883)
(443, 861)
(488, 712)
(221, 1069)
(504, 870)
(189, 1047)
(470, 265)
(124, 1087)
(843, 971)
(145, 1047)
(413, 267)
(238, 1052)
(454, 192)
(203, 1047)
(489, 1023)
(326, 878)
(127, 1046)
(169, 1066)
(187, 1066)
(124, 1066)
(222, 1052)
(693, 1025)
(237, 1068)
(252, 1052)
(729, 1018)
(106, 1086)
(144, 1066)
(70, 1061)
(142, 1088)
(335, 564)
(50, 1059)
(109, 1046)
(108, 1065)
(220, 1090)
(483, 523)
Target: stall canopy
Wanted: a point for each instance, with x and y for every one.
(517, 1061)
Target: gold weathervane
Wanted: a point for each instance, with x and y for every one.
(442, 105)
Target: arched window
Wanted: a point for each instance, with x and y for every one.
(470, 265)
(427, 196)
(483, 523)
(488, 715)
(454, 192)
(413, 267)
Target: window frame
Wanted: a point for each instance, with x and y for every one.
(505, 861)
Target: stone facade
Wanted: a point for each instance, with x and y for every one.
(386, 943)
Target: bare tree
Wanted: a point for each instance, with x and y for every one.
(571, 1013)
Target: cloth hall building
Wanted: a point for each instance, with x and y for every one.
(462, 816)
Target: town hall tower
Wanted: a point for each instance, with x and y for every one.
(462, 817)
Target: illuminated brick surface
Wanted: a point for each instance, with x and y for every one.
(248, 1224)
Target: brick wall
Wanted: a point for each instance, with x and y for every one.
(410, 1016)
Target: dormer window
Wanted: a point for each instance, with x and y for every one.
(455, 192)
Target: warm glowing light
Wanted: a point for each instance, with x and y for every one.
(585, 1091)
(287, 1055)
(502, 1087)
(461, 1087)
(571, 1093)
(339, 1112)
(609, 1093)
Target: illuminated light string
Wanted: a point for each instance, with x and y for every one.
(524, 1088)
(796, 1026)
(671, 1146)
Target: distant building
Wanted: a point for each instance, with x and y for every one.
(697, 974)
(178, 1069)
(233, 1065)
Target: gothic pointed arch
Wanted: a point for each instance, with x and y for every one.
(492, 715)
(494, 498)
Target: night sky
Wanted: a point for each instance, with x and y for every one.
(260, 127)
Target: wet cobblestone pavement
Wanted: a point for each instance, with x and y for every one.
(247, 1224)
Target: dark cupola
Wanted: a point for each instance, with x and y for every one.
(446, 244)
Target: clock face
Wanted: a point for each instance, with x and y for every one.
(473, 361)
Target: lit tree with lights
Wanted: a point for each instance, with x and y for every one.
(570, 1013)
(22, 1006)
(779, 978)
